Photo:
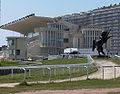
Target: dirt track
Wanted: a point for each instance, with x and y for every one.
(81, 91)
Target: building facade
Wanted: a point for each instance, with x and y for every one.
(17, 48)
(44, 36)
(107, 17)
(53, 39)
(90, 33)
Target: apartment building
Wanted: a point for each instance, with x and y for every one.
(107, 17)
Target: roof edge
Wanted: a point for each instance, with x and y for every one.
(15, 21)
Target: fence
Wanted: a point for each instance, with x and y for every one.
(117, 56)
(49, 72)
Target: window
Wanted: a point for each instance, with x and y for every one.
(12, 52)
(78, 43)
(10, 42)
(66, 29)
(17, 52)
(66, 40)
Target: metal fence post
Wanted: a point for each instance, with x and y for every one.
(87, 73)
(43, 72)
(50, 74)
(70, 73)
(114, 73)
(82, 68)
(24, 74)
(12, 72)
(103, 72)
(29, 73)
(78, 68)
(63, 71)
(54, 71)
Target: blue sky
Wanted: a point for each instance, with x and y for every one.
(15, 9)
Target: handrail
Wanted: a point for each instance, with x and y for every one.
(117, 56)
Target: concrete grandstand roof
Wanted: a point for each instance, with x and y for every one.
(27, 24)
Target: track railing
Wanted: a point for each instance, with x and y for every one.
(67, 66)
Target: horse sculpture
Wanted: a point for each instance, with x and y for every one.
(99, 44)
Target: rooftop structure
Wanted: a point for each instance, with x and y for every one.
(27, 24)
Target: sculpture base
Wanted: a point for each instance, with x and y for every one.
(103, 56)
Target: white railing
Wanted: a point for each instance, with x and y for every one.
(117, 56)
(68, 66)
(49, 67)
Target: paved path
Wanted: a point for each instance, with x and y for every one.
(109, 74)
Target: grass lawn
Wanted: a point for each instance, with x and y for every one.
(12, 63)
(64, 61)
(116, 60)
(114, 93)
(64, 86)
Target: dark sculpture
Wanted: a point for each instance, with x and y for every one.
(99, 44)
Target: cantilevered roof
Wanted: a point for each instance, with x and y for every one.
(27, 24)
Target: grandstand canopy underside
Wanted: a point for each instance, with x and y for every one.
(27, 24)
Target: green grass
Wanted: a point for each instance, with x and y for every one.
(64, 86)
(95, 58)
(116, 60)
(46, 62)
(12, 63)
(114, 93)
(64, 61)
